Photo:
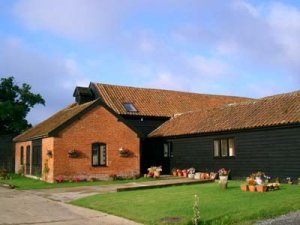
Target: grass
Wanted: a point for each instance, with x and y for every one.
(217, 206)
(24, 183)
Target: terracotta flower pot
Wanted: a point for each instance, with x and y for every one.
(185, 174)
(261, 188)
(244, 187)
(174, 173)
(156, 174)
(251, 188)
(151, 174)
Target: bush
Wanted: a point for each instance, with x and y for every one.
(4, 174)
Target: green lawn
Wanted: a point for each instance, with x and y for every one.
(231, 206)
(24, 183)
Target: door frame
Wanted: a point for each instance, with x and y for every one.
(36, 156)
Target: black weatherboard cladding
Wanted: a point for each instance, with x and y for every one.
(275, 151)
(144, 125)
(7, 152)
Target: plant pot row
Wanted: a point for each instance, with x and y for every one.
(259, 188)
(197, 176)
(180, 174)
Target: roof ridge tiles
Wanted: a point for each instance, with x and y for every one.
(168, 90)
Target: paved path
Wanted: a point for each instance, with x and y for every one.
(20, 208)
(73, 193)
(48, 207)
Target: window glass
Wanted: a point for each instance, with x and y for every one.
(102, 155)
(216, 148)
(95, 155)
(22, 156)
(224, 147)
(231, 147)
(166, 150)
(129, 107)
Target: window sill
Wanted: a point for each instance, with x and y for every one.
(227, 157)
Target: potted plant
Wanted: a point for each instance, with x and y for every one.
(273, 186)
(157, 172)
(49, 153)
(251, 183)
(261, 188)
(124, 152)
(73, 153)
(191, 172)
(223, 174)
(197, 176)
(289, 180)
(259, 177)
(244, 187)
(299, 180)
(251, 188)
(150, 171)
(213, 175)
(174, 172)
(59, 179)
(154, 171)
(185, 172)
(179, 172)
(204, 176)
(223, 178)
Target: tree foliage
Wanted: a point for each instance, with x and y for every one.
(15, 103)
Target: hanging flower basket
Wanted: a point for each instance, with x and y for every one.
(49, 153)
(73, 154)
(124, 152)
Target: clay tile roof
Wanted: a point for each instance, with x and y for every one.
(269, 111)
(44, 128)
(156, 102)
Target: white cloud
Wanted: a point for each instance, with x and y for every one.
(54, 78)
(74, 19)
(167, 80)
(284, 21)
(207, 67)
(243, 5)
(205, 46)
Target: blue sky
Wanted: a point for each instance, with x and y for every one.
(242, 48)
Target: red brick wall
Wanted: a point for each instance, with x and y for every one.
(18, 154)
(98, 125)
(47, 145)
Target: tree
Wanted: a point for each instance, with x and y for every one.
(15, 103)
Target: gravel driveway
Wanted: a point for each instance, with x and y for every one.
(288, 219)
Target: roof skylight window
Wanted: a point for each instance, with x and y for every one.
(129, 107)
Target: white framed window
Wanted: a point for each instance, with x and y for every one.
(98, 154)
(224, 147)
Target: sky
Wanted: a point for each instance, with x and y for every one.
(233, 47)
